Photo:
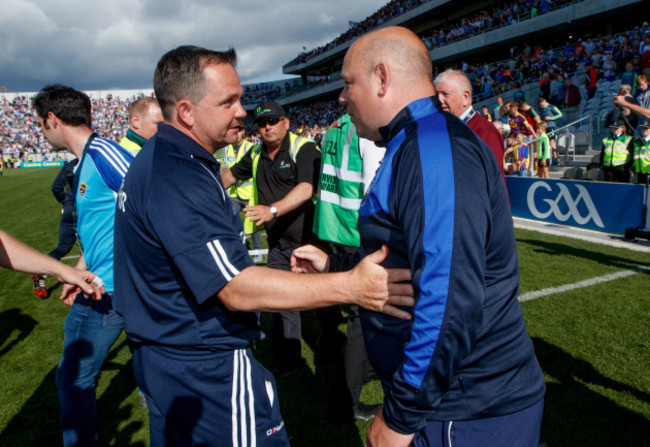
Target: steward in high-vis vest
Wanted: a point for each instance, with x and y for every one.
(340, 187)
(285, 169)
(348, 166)
(241, 193)
(642, 155)
(616, 154)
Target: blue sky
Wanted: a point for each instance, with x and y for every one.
(115, 44)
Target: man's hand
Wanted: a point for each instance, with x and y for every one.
(80, 281)
(309, 259)
(381, 435)
(258, 214)
(619, 100)
(380, 289)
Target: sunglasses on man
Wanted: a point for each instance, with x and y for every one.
(262, 122)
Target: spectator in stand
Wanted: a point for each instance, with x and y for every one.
(644, 59)
(609, 68)
(524, 155)
(629, 76)
(517, 121)
(486, 114)
(591, 76)
(550, 115)
(642, 96)
(542, 151)
(519, 96)
(532, 118)
(455, 95)
(496, 112)
(572, 96)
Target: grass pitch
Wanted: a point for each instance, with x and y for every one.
(593, 344)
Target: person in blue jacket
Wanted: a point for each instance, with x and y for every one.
(462, 371)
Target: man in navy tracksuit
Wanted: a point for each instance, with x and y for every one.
(463, 371)
(185, 284)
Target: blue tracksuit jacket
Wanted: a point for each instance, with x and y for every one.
(439, 202)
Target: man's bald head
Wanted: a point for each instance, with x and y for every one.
(399, 47)
(454, 91)
(384, 71)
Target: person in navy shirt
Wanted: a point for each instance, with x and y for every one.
(186, 287)
(462, 371)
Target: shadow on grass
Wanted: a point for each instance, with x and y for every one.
(13, 320)
(574, 415)
(38, 421)
(558, 249)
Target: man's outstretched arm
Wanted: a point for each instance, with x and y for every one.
(17, 256)
(368, 285)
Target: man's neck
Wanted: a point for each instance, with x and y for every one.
(76, 139)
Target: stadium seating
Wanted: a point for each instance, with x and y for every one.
(575, 173)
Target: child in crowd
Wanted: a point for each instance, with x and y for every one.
(525, 155)
(508, 158)
(518, 150)
(542, 151)
(486, 113)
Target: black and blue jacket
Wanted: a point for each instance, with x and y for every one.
(439, 202)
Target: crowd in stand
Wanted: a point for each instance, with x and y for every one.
(612, 57)
(385, 14)
(21, 140)
(503, 14)
(483, 21)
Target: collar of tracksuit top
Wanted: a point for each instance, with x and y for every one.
(137, 139)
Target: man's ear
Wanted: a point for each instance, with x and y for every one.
(468, 99)
(51, 120)
(135, 122)
(185, 113)
(382, 74)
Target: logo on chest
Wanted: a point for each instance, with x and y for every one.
(83, 187)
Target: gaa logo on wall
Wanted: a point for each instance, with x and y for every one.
(602, 206)
(560, 203)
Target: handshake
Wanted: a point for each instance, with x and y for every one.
(379, 289)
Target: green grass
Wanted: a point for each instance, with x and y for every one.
(593, 345)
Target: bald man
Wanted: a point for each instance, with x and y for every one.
(455, 94)
(464, 367)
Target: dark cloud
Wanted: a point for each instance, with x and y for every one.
(116, 43)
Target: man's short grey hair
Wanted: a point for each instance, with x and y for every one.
(456, 76)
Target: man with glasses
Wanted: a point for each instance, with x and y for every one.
(285, 169)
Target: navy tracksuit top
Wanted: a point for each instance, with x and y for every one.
(439, 202)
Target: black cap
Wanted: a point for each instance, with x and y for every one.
(268, 109)
(646, 124)
(618, 123)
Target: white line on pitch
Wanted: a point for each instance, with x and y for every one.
(581, 284)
